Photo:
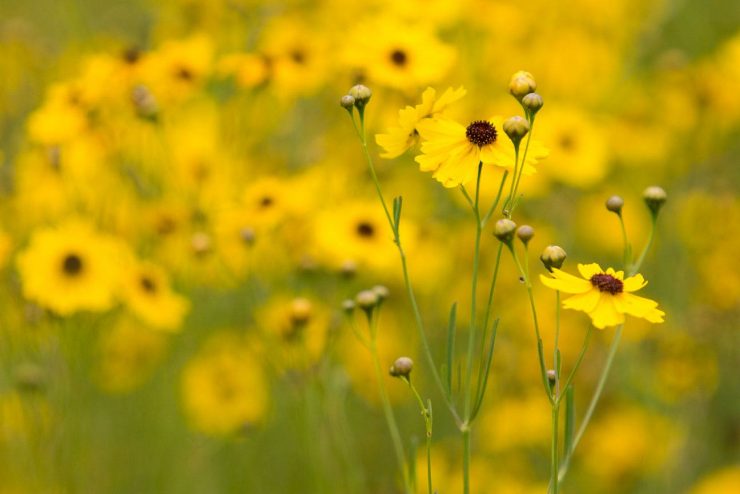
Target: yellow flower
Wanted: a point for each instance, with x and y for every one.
(70, 268)
(148, 294)
(404, 136)
(452, 152)
(604, 295)
(224, 388)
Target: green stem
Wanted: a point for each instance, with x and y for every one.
(406, 279)
(508, 203)
(387, 409)
(540, 354)
(466, 459)
(627, 257)
(555, 352)
(578, 362)
(554, 448)
(426, 412)
(518, 177)
(636, 267)
(494, 205)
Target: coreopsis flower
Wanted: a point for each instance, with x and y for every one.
(147, 293)
(71, 268)
(405, 136)
(452, 152)
(606, 296)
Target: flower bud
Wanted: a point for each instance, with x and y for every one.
(300, 310)
(504, 230)
(654, 197)
(516, 128)
(348, 268)
(347, 102)
(614, 204)
(366, 300)
(144, 102)
(522, 83)
(361, 94)
(247, 235)
(552, 378)
(348, 306)
(553, 257)
(532, 102)
(381, 291)
(525, 233)
(402, 367)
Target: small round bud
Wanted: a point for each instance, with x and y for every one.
(361, 94)
(504, 230)
(614, 204)
(201, 243)
(654, 197)
(516, 128)
(348, 268)
(381, 291)
(144, 102)
(553, 257)
(402, 367)
(552, 377)
(522, 83)
(300, 310)
(532, 102)
(347, 102)
(247, 235)
(348, 306)
(366, 299)
(525, 233)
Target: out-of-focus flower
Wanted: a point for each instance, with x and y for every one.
(604, 295)
(148, 294)
(224, 388)
(723, 481)
(452, 152)
(397, 54)
(70, 268)
(405, 135)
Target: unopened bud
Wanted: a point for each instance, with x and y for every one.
(552, 378)
(300, 311)
(516, 128)
(347, 102)
(381, 291)
(614, 204)
(654, 197)
(348, 306)
(366, 300)
(525, 233)
(144, 102)
(532, 102)
(247, 235)
(504, 230)
(553, 257)
(522, 83)
(348, 268)
(402, 367)
(361, 94)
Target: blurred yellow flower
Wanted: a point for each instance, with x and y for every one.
(452, 152)
(724, 481)
(147, 292)
(224, 388)
(70, 268)
(404, 136)
(604, 295)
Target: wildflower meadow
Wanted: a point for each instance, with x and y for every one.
(402, 247)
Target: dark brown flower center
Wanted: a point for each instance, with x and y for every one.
(72, 265)
(365, 229)
(481, 133)
(399, 57)
(148, 284)
(607, 283)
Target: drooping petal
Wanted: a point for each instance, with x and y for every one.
(605, 313)
(640, 307)
(565, 282)
(585, 302)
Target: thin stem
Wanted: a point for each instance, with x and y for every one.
(518, 177)
(508, 203)
(407, 281)
(555, 352)
(387, 409)
(554, 448)
(636, 267)
(627, 248)
(466, 459)
(543, 371)
(494, 205)
(491, 290)
(426, 412)
(573, 371)
(473, 297)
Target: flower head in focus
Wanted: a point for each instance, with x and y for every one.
(452, 152)
(604, 295)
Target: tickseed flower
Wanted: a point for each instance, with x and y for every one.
(404, 136)
(452, 152)
(604, 295)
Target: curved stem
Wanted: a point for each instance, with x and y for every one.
(578, 362)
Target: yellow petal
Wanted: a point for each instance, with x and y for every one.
(639, 307)
(588, 270)
(585, 302)
(634, 283)
(605, 313)
(565, 282)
